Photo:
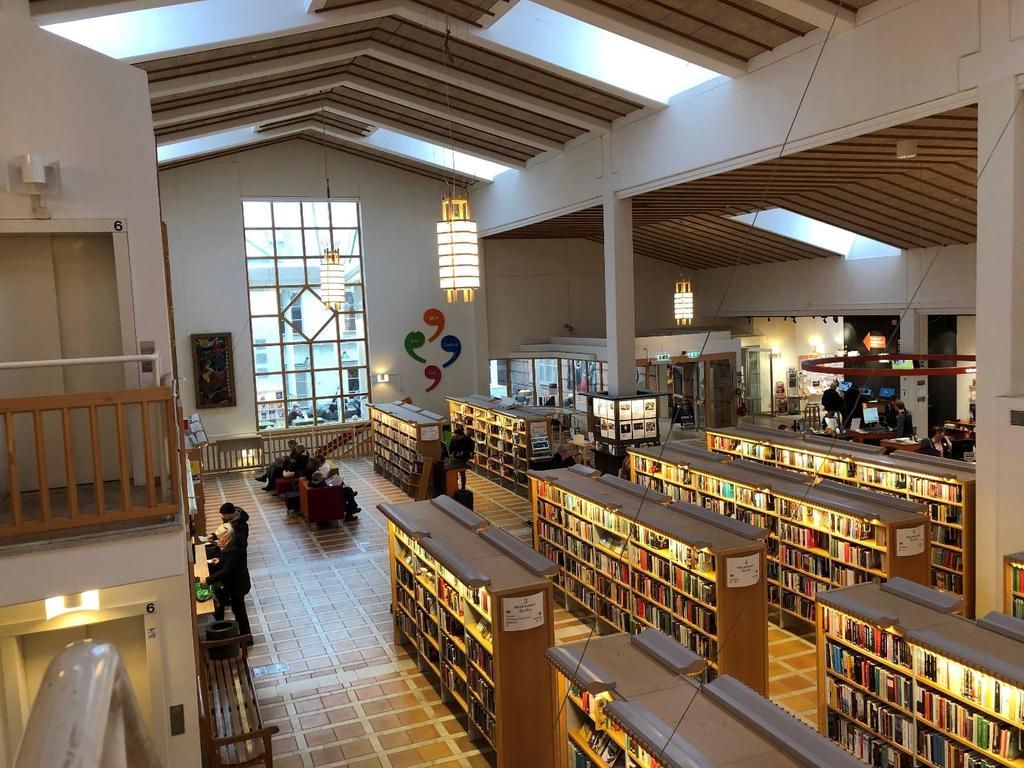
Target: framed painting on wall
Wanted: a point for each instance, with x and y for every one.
(213, 369)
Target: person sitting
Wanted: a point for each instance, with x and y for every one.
(904, 420)
(461, 450)
(313, 466)
(230, 579)
(278, 464)
(563, 458)
(238, 519)
(937, 444)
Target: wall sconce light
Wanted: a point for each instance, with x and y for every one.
(84, 601)
(34, 175)
(382, 378)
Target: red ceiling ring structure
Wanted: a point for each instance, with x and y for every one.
(873, 365)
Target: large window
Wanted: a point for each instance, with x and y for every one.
(309, 362)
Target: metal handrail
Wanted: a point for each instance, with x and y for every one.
(153, 358)
(86, 715)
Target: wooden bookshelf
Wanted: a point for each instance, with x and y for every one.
(631, 702)
(507, 438)
(1013, 588)
(474, 605)
(406, 443)
(820, 536)
(947, 487)
(634, 561)
(903, 681)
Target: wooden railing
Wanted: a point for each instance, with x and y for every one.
(344, 441)
(87, 459)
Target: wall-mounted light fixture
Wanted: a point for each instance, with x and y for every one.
(382, 378)
(84, 601)
(34, 175)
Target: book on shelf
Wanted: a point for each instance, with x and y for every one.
(473, 604)
(904, 681)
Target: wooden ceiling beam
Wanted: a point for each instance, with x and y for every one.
(823, 14)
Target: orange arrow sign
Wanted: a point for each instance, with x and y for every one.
(871, 341)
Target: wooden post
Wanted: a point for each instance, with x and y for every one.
(69, 463)
(122, 452)
(97, 459)
(147, 452)
(12, 469)
(41, 474)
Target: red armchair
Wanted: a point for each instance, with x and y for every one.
(285, 485)
(322, 503)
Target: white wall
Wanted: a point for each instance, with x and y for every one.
(965, 345)
(939, 281)
(795, 339)
(203, 212)
(93, 115)
(536, 286)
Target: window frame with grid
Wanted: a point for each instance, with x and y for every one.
(319, 370)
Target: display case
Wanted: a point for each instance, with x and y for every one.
(509, 439)
(634, 560)
(618, 422)
(473, 605)
(820, 535)
(945, 486)
(406, 443)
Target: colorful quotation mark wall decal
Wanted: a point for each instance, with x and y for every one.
(415, 340)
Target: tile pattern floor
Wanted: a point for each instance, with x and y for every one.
(330, 676)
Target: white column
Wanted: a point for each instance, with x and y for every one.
(913, 339)
(1000, 332)
(619, 302)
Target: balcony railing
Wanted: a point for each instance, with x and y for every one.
(86, 714)
(87, 459)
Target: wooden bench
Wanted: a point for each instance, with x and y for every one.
(235, 734)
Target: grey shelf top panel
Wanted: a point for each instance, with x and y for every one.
(418, 417)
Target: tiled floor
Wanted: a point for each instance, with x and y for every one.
(332, 679)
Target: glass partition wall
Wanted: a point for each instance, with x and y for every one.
(547, 381)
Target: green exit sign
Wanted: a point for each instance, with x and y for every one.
(693, 355)
(664, 357)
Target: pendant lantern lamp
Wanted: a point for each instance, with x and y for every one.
(683, 305)
(458, 256)
(332, 280)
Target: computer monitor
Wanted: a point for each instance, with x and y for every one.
(870, 417)
(866, 391)
(904, 365)
(844, 386)
(887, 393)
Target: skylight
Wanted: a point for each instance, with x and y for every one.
(594, 52)
(818, 233)
(382, 139)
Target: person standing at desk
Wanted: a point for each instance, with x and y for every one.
(832, 401)
(230, 579)
(461, 450)
(904, 421)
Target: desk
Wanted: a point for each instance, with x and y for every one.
(201, 570)
(871, 438)
(899, 445)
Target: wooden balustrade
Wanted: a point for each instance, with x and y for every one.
(346, 441)
(87, 459)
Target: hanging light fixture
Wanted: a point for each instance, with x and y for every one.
(683, 306)
(332, 276)
(458, 254)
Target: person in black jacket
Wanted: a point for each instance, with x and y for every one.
(904, 421)
(238, 519)
(461, 450)
(832, 401)
(230, 579)
(563, 458)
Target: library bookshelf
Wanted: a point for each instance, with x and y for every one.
(635, 561)
(507, 439)
(631, 702)
(904, 682)
(947, 488)
(406, 443)
(820, 535)
(474, 605)
(1013, 588)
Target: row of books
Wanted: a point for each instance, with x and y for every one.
(879, 717)
(805, 585)
(950, 582)
(864, 746)
(851, 554)
(881, 681)
(453, 681)
(877, 641)
(977, 687)
(986, 733)
(798, 604)
(805, 561)
(483, 690)
(946, 753)
(948, 558)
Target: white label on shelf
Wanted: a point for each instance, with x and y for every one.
(538, 429)
(524, 612)
(742, 571)
(430, 433)
(909, 541)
